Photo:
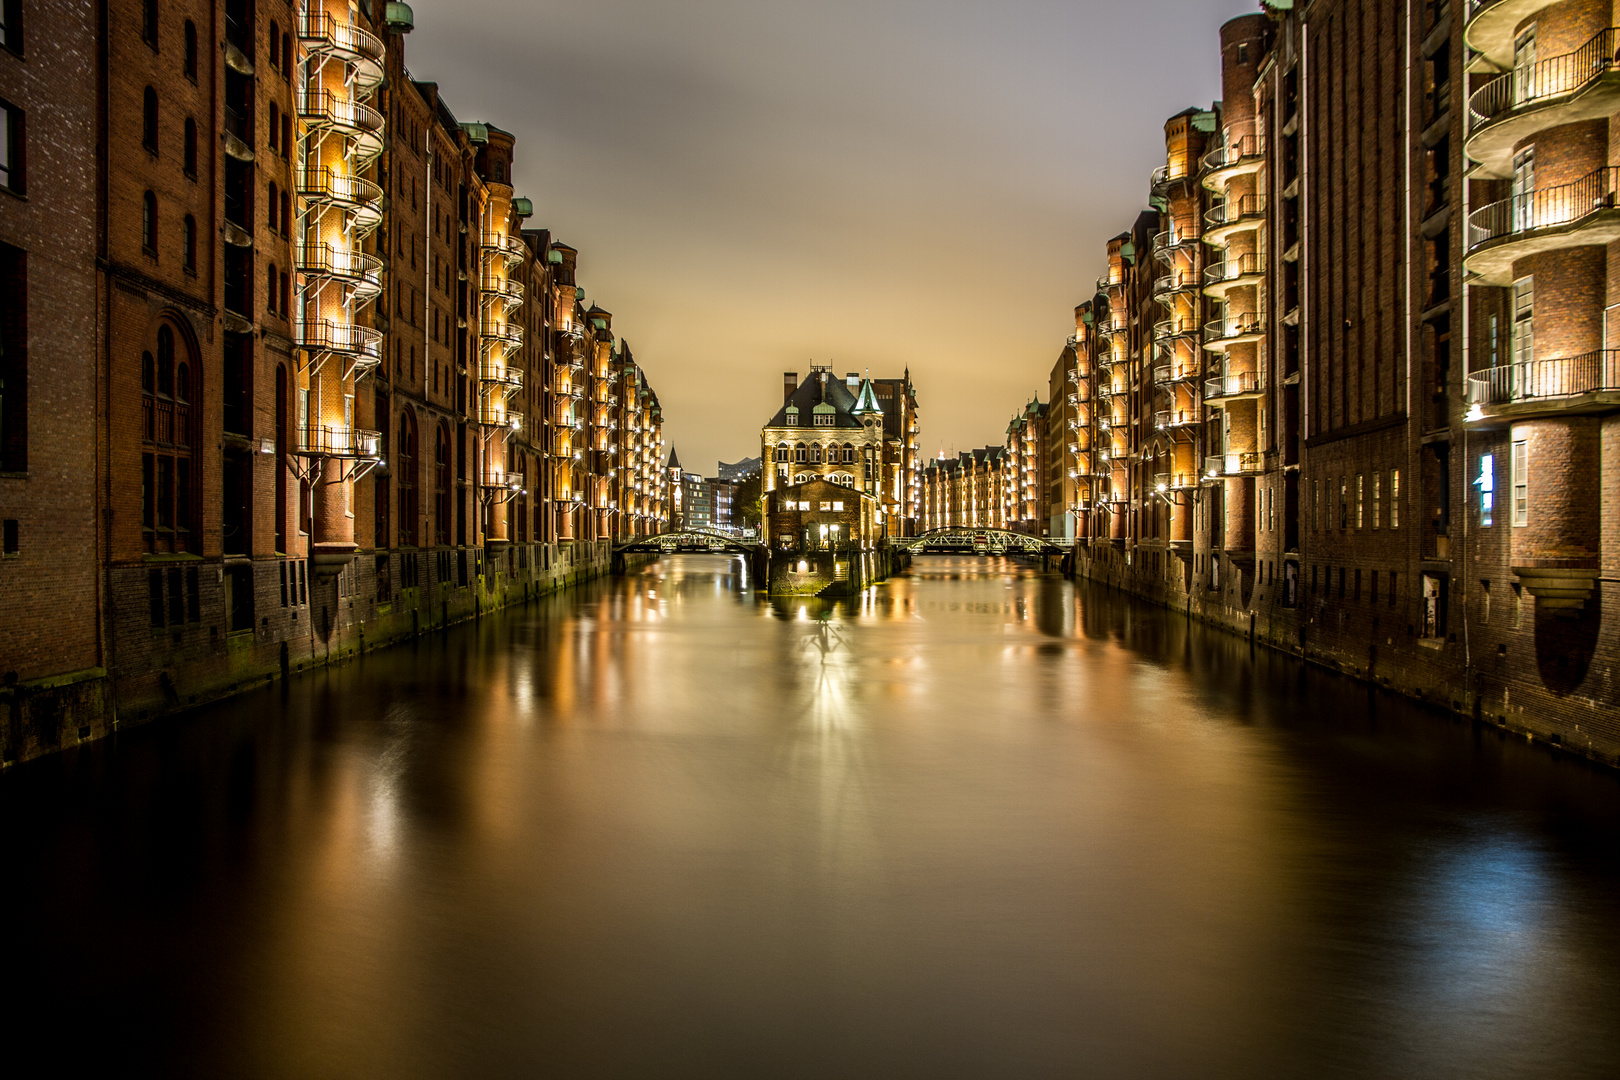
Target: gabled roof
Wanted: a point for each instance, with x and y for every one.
(819, 388)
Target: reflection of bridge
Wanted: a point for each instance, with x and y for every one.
(693, 539)
(963, 540)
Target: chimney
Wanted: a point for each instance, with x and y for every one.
(790, 383)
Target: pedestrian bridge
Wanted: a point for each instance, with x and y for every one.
(693, 539)
(963, 540)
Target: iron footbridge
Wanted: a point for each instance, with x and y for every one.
(961, 540)
(693, 540)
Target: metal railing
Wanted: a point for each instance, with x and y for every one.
(1165, 329)
(1545, 208)
(509, 481)
(1165, 419)
(324, 185)
(1538, 380)
(1239, 150)
(1231, 386)
(502, 374)
(339, 441)
(1557, 76)
(344, 264)
(1233, 269)
(506, 245)
(1233, 211)
(325, 336)
(1244, 464)
(1173, 283)
(322, 33)
(1234, 326)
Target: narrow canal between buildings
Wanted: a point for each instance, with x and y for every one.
(980, 822)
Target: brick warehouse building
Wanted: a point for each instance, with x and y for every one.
(1347, 386)
(309, 381)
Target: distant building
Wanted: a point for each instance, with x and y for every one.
(699, 500)
(838, 430)
(722, 495)
(742, 470)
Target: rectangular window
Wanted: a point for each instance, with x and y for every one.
(1316, 505)
(1523, 328)
(1377, 503)
(1521, 484)
(154, 598)
(1361, 487)
(11, 149)
(1344, 503)
(13, 360)
(11, 27)
(1395, 498)
(1486, 482)
(9, 542)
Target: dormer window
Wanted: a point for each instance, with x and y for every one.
(792, 416)
(824, 420)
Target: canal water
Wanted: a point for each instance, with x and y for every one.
(979, 822)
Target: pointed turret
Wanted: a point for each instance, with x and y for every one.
(867, 401)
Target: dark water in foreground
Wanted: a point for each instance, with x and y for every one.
(982, 823)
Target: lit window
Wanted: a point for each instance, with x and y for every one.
(838, 507)
(1395, 498)
(1486, 482)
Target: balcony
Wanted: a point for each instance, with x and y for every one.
(508, 247)
(1169, 285)
(360, 125)
(1579, 214)
(361, 199)
(504, 377)
(1235, 329)
(1168, 374)
(1240, 157)
(360, 273)
(359, 346)
(237, 138)
(324, 37)
(1252, 463)
(1244, 214)
(1582, 85)
(502, 481)
(507, 334)
(1566, 386)
(1241, 387)
(506, 291)
(1491, 26)
(1166, 175)
(1171, 419)
(337, 441)
(1242, 272)
(1167, 247)
(1166, 331)
(1108, 331)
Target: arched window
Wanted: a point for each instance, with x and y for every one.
(286, 53)
(272, 211)
(442, 486)
(849, 452)
(799, 453)
(275, 44)
(149, 218)
(783, 452)
(191, 148)
(149, 23)
(190, 66)
(149, 119)
(166, 473)
(272, 288)
(523, 501)
(188, 242)
(408, 464)
(275, 126)
(815, 454)
(286, 212)
(286, 296)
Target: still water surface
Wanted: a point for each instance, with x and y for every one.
(979, 823)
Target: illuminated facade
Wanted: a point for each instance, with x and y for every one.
(841, 430)
(346, 393)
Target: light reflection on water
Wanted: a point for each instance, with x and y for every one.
(975, 822)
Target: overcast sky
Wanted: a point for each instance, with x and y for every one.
(756, 184)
